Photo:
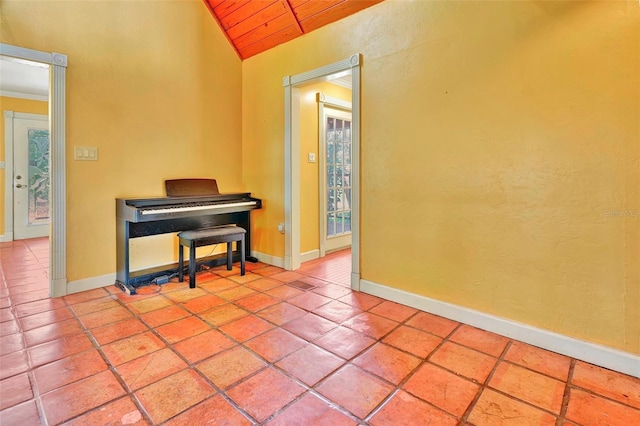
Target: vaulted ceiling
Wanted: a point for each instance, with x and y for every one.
(253, 26)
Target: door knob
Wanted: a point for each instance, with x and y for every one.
(18, 177)
(20, 186)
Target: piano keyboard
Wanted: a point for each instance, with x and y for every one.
(195, 208)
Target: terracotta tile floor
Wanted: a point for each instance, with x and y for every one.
(273, 347)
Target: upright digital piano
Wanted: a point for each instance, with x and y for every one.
(142, 217)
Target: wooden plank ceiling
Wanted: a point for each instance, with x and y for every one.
(253, 26)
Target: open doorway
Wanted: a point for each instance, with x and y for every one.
(325, 166)
(334, 173)
(294, 153)
(56, 64)
(24, 88)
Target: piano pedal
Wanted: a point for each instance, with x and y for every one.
(204, 268)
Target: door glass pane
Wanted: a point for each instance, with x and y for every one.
(347, 131)
(339, 223)
(38, 177)
(331, 134)
(346, 147)
(331, 224)
(347, 221)
(338, 174)
(331, 204)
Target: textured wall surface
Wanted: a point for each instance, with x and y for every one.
(500, 147)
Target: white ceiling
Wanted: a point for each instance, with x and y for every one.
(24, 79)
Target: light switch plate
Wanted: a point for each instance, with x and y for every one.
(312, 157)
(85, 153)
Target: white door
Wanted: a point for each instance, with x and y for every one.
(31, 146)
(335, 180)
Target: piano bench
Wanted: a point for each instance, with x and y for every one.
(207, 237)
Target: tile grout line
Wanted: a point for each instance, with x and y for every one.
(565, 397)
(37, 397)
(193, 365)
(190, 365)
(599, 395)
(425, 360)
(110, 366)
(485, 384)
(307, 389)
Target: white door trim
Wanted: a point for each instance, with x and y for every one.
(291, 85)
(57, 131)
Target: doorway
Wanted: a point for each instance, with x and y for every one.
(334, 141)
(57, 64)
(31, 149)
(292, 86)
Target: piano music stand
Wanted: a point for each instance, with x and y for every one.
(190, 187)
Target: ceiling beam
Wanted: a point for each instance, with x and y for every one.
(287, 5)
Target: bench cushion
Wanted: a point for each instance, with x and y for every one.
(222, 231)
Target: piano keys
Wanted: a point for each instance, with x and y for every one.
(153, 216)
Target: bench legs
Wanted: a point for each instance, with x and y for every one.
(180, 262)
(192, 260)
(242, 256)
(192, 264)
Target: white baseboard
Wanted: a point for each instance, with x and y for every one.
(91, 283)
(592, 353)
(109, 279)
(6, 237)
(309, 255)
(268, 259)
(59, 287)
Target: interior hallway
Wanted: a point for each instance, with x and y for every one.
(273, 347)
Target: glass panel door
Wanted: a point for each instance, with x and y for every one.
(31, 148)
(337, 169)
(38, 189)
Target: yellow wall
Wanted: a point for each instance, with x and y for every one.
(156, 87)
(309, 197)
(500, 146)
(16, 105)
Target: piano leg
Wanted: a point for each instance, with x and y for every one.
(122, 257)
(246, 224)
